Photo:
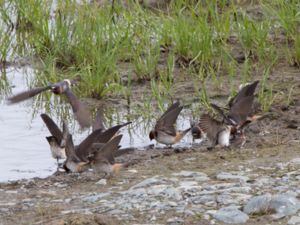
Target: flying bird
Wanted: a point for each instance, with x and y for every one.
(82, 115)
(164, 131)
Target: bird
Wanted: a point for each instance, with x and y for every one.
(103, 160)
(216, 131)
(99, 121)
(82, 115)
(57, 140)
(73, 163)
(164, 131)
(57, 145)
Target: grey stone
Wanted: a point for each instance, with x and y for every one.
(203, 199)
(295, 161)
(258, 204)
(230, 176)
(295, 220)
(175, 221)
(231, 215)
(95, 197)
(149, 182)
(193, 174)
(102, 182)
(284, 205)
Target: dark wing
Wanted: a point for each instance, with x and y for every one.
(109, 133)
(27, 94)
(210, 126)
(123, 151)
(173, 106)
(52, 127)
(85, 148)
(219, 110)
(248, 90)
(167, 122)
(70, 149)
(108, 150)
(82, 115)
(241, 110)
(99, 121)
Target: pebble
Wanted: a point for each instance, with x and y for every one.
(230, 176)
(102, 182)
(295, 220)
(231, 215)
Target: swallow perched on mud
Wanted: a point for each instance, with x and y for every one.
(103, 160)
(217, 132)
(73, 162)
(164, 131)
(63, 87)
(57, 141)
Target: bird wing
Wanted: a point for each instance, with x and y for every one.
(99, 120)
(241, 109)
(109, 133)
(167, 121)
(85, 148)
(27, 94)
(210, 126)
(52, 127)
(108, 150)
(70, 149)
(82, 115)
(248, 90)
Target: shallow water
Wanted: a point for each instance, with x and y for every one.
(24, 150)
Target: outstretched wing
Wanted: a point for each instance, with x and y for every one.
(82, 114)
(52, 127)
(27, 94)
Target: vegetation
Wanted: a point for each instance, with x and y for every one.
(67, 38)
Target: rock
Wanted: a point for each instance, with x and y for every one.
(185, 173)
(284, 205)
(95, 197)
(102, 182)
(231, 215)
(149, 182)
(203, 199)
(295, 161)
(258, 204)
(230, 176)
(295, 220)
(175, 221)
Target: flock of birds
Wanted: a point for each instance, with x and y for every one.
(99, 149)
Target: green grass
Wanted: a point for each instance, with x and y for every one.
(71, 38)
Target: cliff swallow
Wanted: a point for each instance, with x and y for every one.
(57, 145)
(164, 131)
(96, 141)
(103, 160)
(63, 87)
(73, 163)
(196, 131)
(217, 132)
(57, 141)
